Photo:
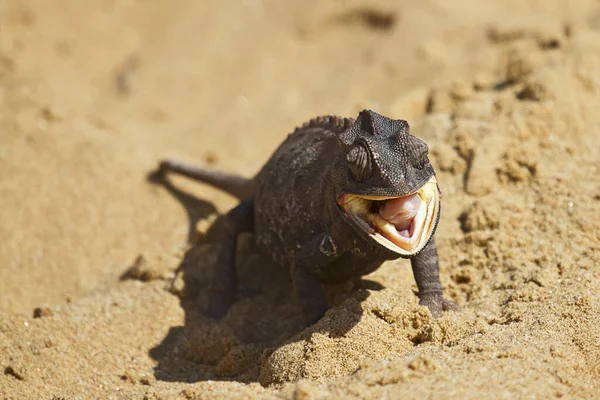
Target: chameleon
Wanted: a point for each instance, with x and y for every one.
(338, 198)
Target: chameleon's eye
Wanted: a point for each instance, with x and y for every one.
(359, 162)
(417, 151)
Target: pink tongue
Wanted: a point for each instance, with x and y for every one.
(401, 212)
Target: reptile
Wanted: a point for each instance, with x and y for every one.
(337, 198)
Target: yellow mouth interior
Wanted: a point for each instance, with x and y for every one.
(416, 231)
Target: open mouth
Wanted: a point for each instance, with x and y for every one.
(402, 224)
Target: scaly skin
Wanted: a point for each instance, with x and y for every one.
(292, 208)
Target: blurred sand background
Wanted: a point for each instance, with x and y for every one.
(93, 93)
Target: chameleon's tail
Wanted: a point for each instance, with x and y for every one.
(236, 185)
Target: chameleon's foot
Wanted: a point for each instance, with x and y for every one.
(219, 303)
(437, 303)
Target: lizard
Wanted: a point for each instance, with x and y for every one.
(338, 198)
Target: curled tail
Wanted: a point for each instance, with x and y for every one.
(235, 185)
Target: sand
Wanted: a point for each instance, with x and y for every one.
(104, 267)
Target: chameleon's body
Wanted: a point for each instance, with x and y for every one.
(301, 208)
(287, 222)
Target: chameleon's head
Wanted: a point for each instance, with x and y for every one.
(388, 189)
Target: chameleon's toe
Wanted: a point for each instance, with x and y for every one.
(449, 305)
(437, 304)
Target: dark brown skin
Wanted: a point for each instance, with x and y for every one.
(292, 208)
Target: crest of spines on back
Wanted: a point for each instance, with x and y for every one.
(332, 123)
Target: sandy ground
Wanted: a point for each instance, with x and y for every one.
(94, 93)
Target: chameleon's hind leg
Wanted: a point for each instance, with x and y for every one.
(223, 289)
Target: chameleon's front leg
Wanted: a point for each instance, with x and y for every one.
(426, 271)
(318, 252)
